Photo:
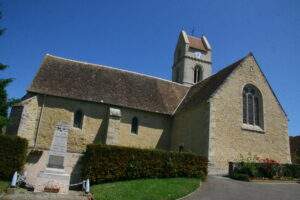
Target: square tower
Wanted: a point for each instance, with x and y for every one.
(192, 59)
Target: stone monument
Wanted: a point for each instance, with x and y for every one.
(54, 178)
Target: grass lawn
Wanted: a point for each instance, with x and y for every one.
(3, 185)
(145, 189)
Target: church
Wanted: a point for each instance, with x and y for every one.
(222, 116)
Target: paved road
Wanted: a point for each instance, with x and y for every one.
(221, 188)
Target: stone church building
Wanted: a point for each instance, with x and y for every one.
(221, 116)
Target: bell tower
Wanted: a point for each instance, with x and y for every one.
(192, 59)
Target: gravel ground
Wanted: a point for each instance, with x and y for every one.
(25, 195)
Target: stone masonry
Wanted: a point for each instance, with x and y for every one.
(229, 140)
(113, 131)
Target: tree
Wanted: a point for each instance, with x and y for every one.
(4, 102)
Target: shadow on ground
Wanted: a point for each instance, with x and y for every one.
(223, 188)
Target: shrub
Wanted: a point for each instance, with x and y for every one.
(295, 149)
(270, 170)
(13, 152)
(291, 170)
(248, 168)
(241, 177)
(103, 163)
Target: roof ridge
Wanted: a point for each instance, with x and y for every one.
(114, 68)
(186, 93)
(195, 37)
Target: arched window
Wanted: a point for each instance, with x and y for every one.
(134, 125)
(198, 75)
(78, 119)
(252, 106)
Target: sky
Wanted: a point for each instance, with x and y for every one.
(141, 36)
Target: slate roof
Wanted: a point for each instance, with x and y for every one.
(203, 90)
(196, 43)
(100, 84)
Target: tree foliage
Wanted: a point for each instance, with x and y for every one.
(4, 82)
(13, 153)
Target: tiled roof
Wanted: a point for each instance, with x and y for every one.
(97, 83)
(197, 43)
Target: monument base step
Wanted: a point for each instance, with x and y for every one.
(20, 194)
(52, 180)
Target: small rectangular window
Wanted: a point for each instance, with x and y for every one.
(134, 125)
(78, 119)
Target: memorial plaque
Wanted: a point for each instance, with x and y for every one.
(56, 162)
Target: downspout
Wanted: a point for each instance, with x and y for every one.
(39, 121)
(210, 152)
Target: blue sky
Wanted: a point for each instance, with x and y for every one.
(141, 35)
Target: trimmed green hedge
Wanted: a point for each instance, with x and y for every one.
(295, 149)
(102, 163)
(248, 170)
(13, 152)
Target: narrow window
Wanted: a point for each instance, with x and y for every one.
(198, 74)
(134, 125)
(252, 106)
(78, 119)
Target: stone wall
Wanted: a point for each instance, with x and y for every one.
(113, 130)
(29, 119)
(229, 139)
(190, 129)
(57, 110)
(153, 130)
(41, 114)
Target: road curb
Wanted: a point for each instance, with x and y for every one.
(181, 198)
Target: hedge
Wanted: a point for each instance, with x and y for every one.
(248, 170)
(295, 149)
(102, 163)
(13, 152)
